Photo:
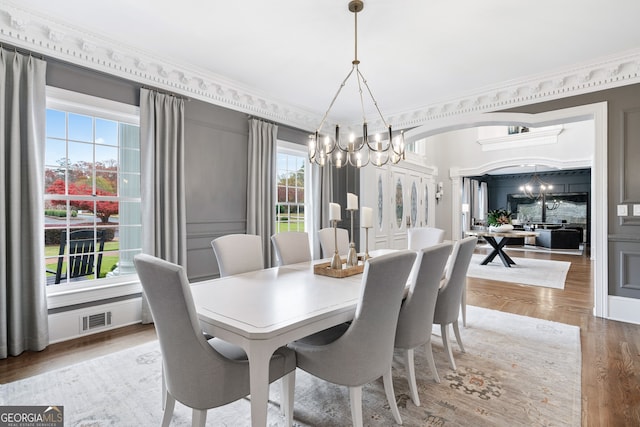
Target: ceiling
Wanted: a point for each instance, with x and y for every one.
(415, 54)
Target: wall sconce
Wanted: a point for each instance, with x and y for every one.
(439, 191)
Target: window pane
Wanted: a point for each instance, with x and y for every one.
(80, 128)
(106, 132)
(55, 153)
(107, 156)
(56, 124)
(80, 152)
(106, 183)
(81, 194)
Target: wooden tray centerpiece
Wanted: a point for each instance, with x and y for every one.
(325, 269)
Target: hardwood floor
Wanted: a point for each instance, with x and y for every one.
(610, 349)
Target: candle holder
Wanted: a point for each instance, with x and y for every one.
(366, 240)
(352, 256)
(336, 262)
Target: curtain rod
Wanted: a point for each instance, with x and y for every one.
(166, 92)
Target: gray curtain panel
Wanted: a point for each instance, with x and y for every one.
(23, 297)
(162, 180)
(260, 183)
(322, 195)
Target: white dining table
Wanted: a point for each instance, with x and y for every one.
(263, 310)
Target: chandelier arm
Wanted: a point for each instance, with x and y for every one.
(359, 75)
(375, 103)
(333, 101)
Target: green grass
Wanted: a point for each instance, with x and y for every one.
(289, 226)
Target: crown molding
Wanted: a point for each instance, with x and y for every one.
(40, 34)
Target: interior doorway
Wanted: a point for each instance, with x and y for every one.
(597, 163)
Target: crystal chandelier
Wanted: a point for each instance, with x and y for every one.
(357, 152)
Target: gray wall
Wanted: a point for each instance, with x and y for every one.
(623, 179)
(215, 155)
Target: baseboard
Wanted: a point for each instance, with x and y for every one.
(624, 309)
(76, 323)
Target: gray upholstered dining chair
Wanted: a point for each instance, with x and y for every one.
(238, 253)
(201, 374)
(416, 314)
(450, 293)
(354, 354)
(291, 247)
(328, 242)
(422, 237)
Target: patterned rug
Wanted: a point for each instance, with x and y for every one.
(517, 371)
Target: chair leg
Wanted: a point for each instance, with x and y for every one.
(164, 389)
(463, 305)
(447, 346)
(199, 418)
(456, 331)
(411, 376)
(391, 396)
(355, 397)
(431, 362)
(286, 404)
(169, 404)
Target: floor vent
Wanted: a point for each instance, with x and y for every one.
(94, 321)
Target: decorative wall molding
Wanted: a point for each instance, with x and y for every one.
(521, 140)
(42, 35)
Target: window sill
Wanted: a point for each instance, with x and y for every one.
(101, 290)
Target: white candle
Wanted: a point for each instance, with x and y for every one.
(334, 212)
(352, 202)
(366, 217)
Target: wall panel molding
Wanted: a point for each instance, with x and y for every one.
(630, 270)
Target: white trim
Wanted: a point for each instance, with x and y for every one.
(67, 294)
(521, 140)
(94, 290)
(624, 309)
(67, 325)
(80, 103)
(48, 36)
(597, 161)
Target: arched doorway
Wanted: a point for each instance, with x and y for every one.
(598, 164)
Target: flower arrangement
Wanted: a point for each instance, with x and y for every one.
(498, 217)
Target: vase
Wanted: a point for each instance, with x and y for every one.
(501, 228)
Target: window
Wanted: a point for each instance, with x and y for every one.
(92, 189)
(291, 178)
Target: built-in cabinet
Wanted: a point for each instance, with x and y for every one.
(401, 196)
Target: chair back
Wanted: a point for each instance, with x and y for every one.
(191, 365)
(238, 253)
(81, 256)
(291, 247)
(416, 314)
(328, 242)
(365, 351)
(450, 294)
(423, 237)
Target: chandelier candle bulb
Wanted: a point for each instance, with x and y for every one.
(366, 217)
(352, 202)
(335, 212)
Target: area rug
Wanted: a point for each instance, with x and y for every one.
(526, 271)
(517, 371)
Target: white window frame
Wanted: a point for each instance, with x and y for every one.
(105, 288)
(287, 147)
